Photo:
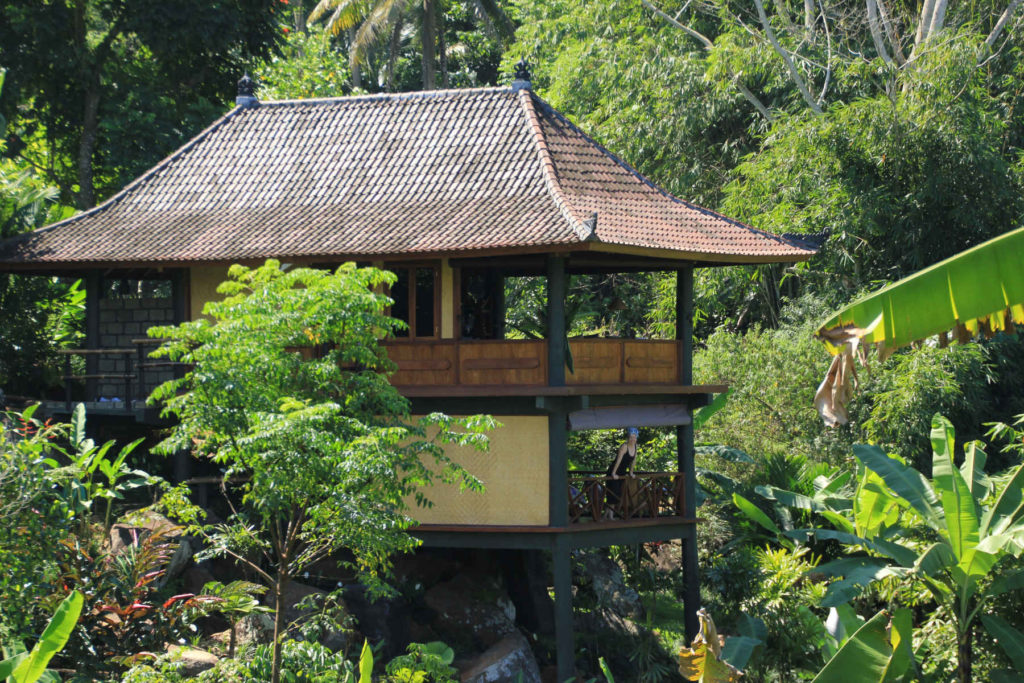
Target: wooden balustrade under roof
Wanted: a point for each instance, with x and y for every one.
(523, 363)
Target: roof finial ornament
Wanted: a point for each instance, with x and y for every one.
(523, 77)
(246, 92)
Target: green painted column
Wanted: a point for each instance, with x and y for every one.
(685, 452)
(558, 471)
(565, 651)
(93, 283)
(556, 321)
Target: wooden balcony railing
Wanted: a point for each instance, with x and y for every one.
(134, 376)
(647, 495)
(524, 362)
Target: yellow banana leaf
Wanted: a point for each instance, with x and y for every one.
(980, 290)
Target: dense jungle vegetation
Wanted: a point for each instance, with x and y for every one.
(891, 130)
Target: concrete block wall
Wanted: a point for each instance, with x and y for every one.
(122, 319)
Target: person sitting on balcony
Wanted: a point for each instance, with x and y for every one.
(623, 466)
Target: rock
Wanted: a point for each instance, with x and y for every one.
(606, 581)
(294, 593)
(193, 661)
(194, 578)
(142, 524)
(424, 568)
(473, 602)
(508, 660)
(379, 620)
(252, 628)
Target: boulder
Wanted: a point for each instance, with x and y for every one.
(294, 593)
(381, 619)
(142, 524)
(507, 661)
(473, 603)
(252, 628)
(193, 661)
(604, 577)
(194, 578)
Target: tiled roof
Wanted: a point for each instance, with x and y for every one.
(431, 173)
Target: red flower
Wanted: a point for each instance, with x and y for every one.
(286, 30)
(174, 598)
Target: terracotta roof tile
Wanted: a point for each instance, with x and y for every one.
(428, 172)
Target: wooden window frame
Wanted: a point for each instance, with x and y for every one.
(411, 268)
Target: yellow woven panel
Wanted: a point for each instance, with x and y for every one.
(515, 477)
(203, 282)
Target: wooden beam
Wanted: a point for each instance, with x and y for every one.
(609, 417)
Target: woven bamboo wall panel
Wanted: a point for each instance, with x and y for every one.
(515, 477)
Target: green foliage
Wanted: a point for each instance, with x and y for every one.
(98, 91)
(772, 375)
(322, 440)
(33, 519)
(880, 651)
(951, 534)
(310, 65)
(31, 667)
(425, 663)
(37, 314)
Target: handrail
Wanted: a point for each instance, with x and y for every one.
(643, 495)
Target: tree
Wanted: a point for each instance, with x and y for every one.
(99, 90)
(321, 446)
(368, 23)
(36, 313)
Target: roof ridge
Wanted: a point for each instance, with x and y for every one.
(581, 227)
(410, 95)
(162, 164)
(648, 182)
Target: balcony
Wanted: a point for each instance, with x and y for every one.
(474, 367)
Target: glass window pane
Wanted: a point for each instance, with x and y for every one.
(400, 293)
(425, 302)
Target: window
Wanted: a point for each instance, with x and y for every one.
(416, 300)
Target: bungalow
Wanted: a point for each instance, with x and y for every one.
(455, 191)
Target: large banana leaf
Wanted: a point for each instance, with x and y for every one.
(978, 290)
(879, 652)
(981, 288)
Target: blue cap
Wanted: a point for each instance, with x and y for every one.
(633, 431)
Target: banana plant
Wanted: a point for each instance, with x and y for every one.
(29, 667)
(82, 481)
(971, 522)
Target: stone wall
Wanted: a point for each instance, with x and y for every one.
(122, 319)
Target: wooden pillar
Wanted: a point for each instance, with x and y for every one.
(179, 313)
(556, 321)
(558, 471)
(93, 283)
(685, 452)
(565, 650)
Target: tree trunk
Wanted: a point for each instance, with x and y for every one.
(876, 32)
(87, 144)
(964, 656)
(393, 47)
(442, 51)
(428, 37)
(279, 607)
(353, 60)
